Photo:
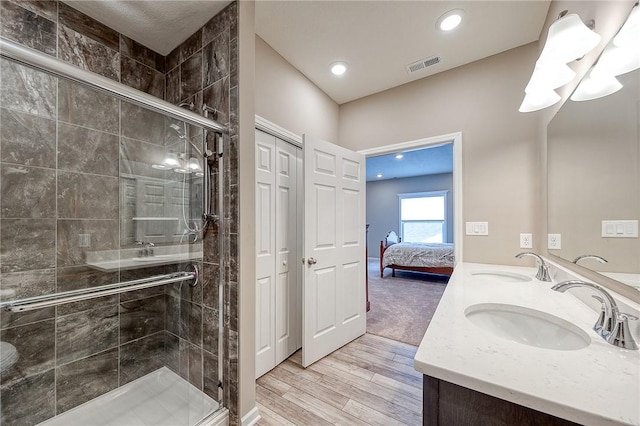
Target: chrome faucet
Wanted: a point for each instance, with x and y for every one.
(590, 256)
(543, 269)
(612, 325)
(146, 248)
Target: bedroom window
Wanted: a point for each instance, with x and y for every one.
(423, 217)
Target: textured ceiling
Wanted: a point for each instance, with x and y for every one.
(158, 24)
(426, 161)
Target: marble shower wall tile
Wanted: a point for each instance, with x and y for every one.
(87, 196)
(143, 125)
(87, 26)
(16, 319)
(88, 54)
(141, 318)
(191, 45)
(35, 344)
(83, 380)
(195, 366)
(191, 76)
(29, 401)
(87, 151)
(27, 192)
(86, 333)
(141, 53)
(79, 277)
(172, 91)
(87, 108)
(27, 139)
(27, 244)
(45, 8)
(210, 374)
(19, 285)
(141, 357)
(216, 59)
(210, 282)
(27, 90)
(217, 96)
(173, 58)
(103, 235)
(26, 27)
(141, 77)
(210, 329)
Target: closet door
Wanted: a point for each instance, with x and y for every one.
(265, 257)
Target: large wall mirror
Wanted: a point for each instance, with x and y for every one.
(593, 176)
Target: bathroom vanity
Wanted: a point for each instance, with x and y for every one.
(483, 365)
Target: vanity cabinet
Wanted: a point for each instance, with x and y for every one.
(446, 404)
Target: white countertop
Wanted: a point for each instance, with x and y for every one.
(597, 385)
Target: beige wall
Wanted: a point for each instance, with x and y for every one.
(287, 98)
(500, 158)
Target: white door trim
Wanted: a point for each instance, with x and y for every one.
(456, 138)
(277, 131)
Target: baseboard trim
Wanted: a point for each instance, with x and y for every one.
(251, 418)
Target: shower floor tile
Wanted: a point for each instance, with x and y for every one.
(159, 398)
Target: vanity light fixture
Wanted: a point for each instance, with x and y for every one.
(594, 87)
(630, 31)
(399, 156)
(568, 39)
(450, 20)
(379, 175)
(338, 68)
(169, 162)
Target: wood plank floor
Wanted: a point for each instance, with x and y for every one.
(370, 381)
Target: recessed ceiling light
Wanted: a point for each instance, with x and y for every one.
(450, 20)
(379, 175)
(399, 156)
(338, 68)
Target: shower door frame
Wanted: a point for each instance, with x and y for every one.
(41, 62)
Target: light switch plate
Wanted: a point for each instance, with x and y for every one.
(554, 242)
(619, 229)
(477, 228)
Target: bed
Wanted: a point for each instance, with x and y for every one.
(432, 258)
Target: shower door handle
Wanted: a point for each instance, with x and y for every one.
(312, 261)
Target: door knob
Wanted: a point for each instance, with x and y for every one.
(311, 261)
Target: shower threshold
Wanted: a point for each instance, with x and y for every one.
(159, 398)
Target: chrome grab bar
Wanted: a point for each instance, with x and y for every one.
(47, 300)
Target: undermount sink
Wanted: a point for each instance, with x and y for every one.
(501, 276)
(527, 326)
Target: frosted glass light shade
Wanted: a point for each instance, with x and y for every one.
(592, 87)
(549, 75)
(568, 39)
(617, 60)
(194, 165)
(629, 34)
(539, 99)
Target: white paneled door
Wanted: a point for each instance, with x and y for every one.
(278, 271)
(333, 289)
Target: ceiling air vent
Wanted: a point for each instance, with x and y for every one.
(422, 64)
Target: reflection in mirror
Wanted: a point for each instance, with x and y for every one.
(594, 182)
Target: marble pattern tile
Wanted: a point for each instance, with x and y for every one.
(29, 401)
(233, 62)
(173, 59)
(173, 86)
(27, 244)
(16, 319)
(27, 139)
(87, 151)
(210, 329)
(216, 26)
(103, 236)
(183, 369)
(88, 378)
(27, 192)
(86, 333)
(191, 76)
(87, 196)
(20, 285)
(137, 158)
(217, 96)
(134, 274)
(80, 277)
(141, 77)
(141, 53)
(210, 282)
(87, 108)
(28, 28)
(45, 8)
(234, 108)
(27, 90)
(195, 366)
(191, 45)
(191, 322)
(141, 318)
(87, 26)
(210, 373)
(172, 349)
(142, 124)
(185, 291)
(141, 356)
(88, 54)
(35, 344)
(215, 59)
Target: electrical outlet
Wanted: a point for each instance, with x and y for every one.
(526, 241)
(554, 242)
(84, 240)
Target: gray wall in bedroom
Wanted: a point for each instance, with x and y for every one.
(383, 207)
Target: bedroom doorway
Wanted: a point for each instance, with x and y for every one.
(414, 192)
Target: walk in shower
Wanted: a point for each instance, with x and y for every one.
(111, 301)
